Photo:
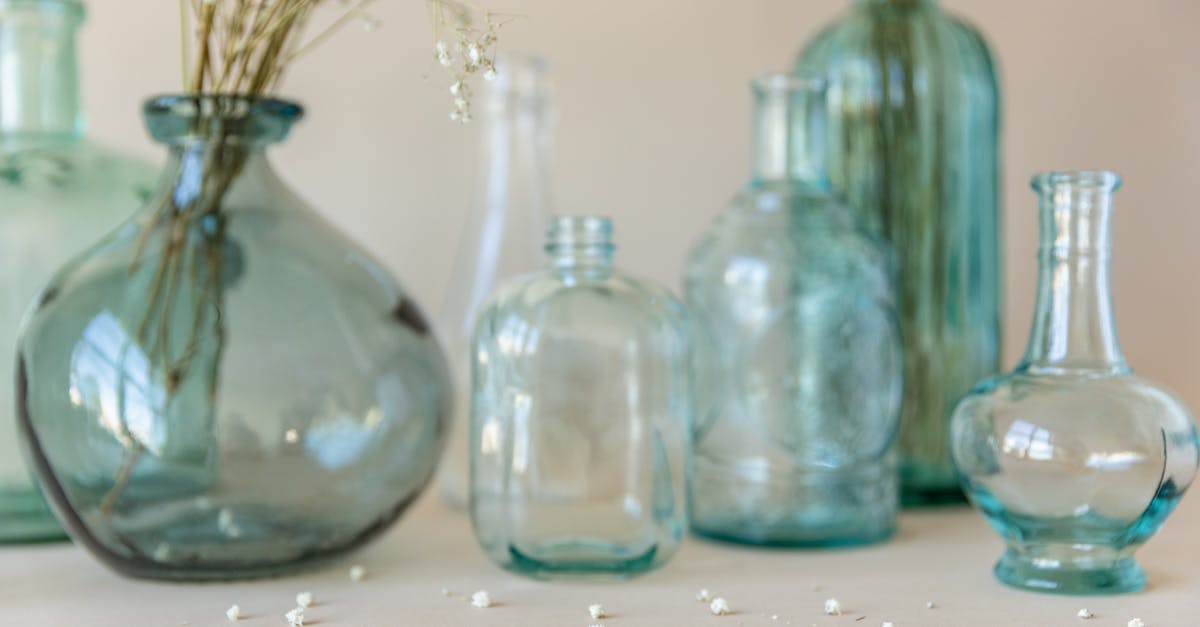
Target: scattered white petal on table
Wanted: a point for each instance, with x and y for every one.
(929, 605)
(774, 616)
(719, 607)
(357, 573)
(704, 596)
(888, 624)
(304, 599)
(1085, 614)
(295, 618)
(1136, 622)
(597, 611)
(446, 592)
(233, 613)
(833, 607)
(481, 599)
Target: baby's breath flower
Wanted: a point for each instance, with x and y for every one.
(473, 51)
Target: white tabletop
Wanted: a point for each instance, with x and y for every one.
(944, 556)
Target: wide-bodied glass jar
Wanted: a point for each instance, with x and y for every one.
(226, 386)
(59, 192)
(914, 148)
(798, 356)
(580, 416)
(1074, 460)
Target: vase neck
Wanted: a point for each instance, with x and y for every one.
(580, 247)
(1073, 326)
(789, 131)
(39, 85)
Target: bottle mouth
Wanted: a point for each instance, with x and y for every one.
(184, 119)
(777, 83)
(73, 8)
(1091, 180)
(579, 232)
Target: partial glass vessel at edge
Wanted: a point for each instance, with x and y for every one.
(797, 355)
(59, 192)
(580, 416)
(914, 147)
(227, 387)
(1074, 460)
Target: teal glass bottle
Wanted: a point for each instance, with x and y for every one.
(59, 192)
(1074, 460)
(580, 416)
(914, 123)
(798, 353)
(226, 387)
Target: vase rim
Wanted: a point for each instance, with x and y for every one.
(1103, 180)
(172, 118)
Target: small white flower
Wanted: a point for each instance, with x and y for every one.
(1135, 622)
(233, 613)
(446, 592)
(457, 87)
(357, 573)
(304, 599)
(597, 611)
(1085, 614)
(474, 54)
(888, 624)
(460, 103)
(444, 59)
(833, 607)
(162, 552)
(774, 616)
(295, 618)
(704, 596)
(442, 48)
(929, 605)
(719, 607)
(481, 599)
(489, 74)
(370, 23)
(465, 118)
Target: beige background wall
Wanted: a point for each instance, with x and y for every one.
(654, 130)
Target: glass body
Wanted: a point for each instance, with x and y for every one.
(1072, 459)
(798, 355)
(580, 414)
(502, 238)
(914, 124)
(226, 387)
(59, 193)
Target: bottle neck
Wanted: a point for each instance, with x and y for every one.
(1074, 330)
(789, 132)
(580, 247)
(39, 86)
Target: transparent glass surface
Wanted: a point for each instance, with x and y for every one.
(502, 238)
(580, 416)
(914, 148)
(59, 193)
(1071, 458)
(798, 356)
(226, 387)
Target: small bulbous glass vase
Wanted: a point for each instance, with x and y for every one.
(226, 387)
(1074, 460)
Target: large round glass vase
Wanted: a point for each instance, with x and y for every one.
(227, 387)
(1074, 460)
(60, 192)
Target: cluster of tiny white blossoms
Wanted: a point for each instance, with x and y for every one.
(469, 52)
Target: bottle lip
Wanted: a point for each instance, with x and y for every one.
(778, 82)
(74, 8)
(1098, 180)
(183, 118)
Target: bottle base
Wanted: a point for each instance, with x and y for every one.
(25, 518)
(795, 536)
(932, 496)
(1049, 575)
(581, 560)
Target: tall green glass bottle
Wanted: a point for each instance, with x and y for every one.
(914, 122)
(58, 193)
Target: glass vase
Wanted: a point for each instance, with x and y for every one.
(60, 192)
(914, 148)
(798, 363)
(226, 387)
(1074, 460)
(580, 416)
(502, 238)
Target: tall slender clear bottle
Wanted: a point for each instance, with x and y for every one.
(59, 192)
(914, 147)
(503, 236)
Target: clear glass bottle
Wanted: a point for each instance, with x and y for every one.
(59, 192)
(580, 416)
(1071, 458)
(227, 387)
(915, 149)
(503, 237)
(800, 371)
